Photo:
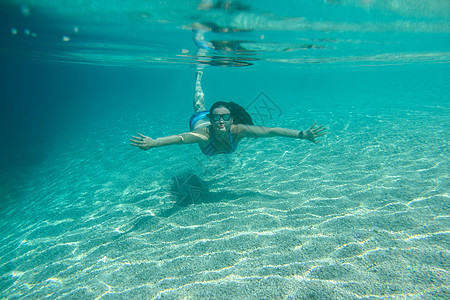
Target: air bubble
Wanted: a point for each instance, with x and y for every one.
(25, 10)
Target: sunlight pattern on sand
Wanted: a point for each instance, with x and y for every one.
(370, 223)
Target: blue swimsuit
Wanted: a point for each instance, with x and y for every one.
(210, 150)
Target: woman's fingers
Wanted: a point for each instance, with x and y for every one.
(138, 139)
(136, 143)
(141, 141)
(317, 131)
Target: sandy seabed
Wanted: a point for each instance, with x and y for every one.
(362, 215)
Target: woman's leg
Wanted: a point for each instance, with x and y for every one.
(199, 96)
(199, 119)
(199, 39)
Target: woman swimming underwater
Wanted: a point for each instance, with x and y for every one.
(219, 130)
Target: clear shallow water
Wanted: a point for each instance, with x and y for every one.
(364, 214)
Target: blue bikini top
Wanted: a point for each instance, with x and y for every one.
(210, 150)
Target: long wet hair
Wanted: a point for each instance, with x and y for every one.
(239, 114)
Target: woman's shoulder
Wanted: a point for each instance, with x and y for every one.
(204, 131)
(239, 128)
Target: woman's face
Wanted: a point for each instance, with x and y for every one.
(221, 119)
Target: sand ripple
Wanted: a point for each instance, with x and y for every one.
(365, 215)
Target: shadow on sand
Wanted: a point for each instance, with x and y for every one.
(187, 189)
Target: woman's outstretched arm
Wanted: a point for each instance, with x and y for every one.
(259, 131)
(145, 143)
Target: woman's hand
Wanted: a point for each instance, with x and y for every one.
(312, 133)
(143, 142)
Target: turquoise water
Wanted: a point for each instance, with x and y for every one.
(363, 214)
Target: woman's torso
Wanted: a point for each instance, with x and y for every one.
(214, 145)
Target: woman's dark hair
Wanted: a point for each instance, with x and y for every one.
(239, 114)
